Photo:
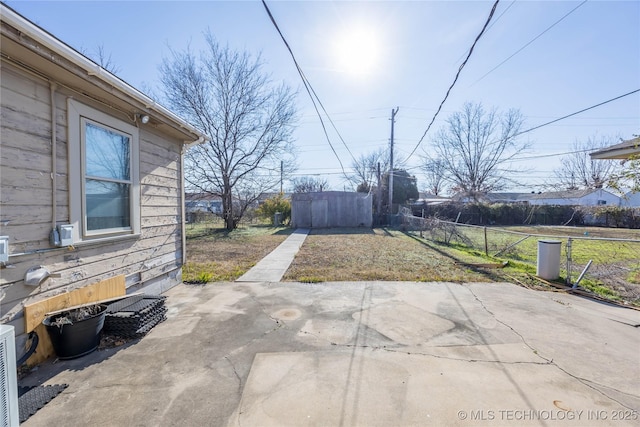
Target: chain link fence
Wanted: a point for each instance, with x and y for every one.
(611, 263)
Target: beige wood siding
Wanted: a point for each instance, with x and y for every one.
(26, 200)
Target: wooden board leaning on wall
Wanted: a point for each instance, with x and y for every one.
(35, 313)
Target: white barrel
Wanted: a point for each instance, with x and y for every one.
(549, 259)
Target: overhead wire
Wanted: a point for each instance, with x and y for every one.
(577, 112)
(311, 92)
(542, 156)
(531, 41)
(557, 120)
(493, 23)
(500, 16)
(493, 10)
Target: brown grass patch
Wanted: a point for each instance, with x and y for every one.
(378, 254)
(220, 255)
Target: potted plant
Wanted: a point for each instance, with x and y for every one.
(75, 332)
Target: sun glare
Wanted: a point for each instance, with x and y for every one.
(357, 51)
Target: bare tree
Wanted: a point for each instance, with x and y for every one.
(578, 171)
(434, 172)
(476, 147)
(102, 58)
(250, 121)
(365, 169)
(307, 184)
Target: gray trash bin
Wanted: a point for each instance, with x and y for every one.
(549, 259)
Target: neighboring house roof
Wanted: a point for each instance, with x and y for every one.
(624, 150)
(425, 195)
(568, 194)
(551, 195)
(201, 196)
(32, 46)
(430, 199)
(507, 197)
(497, 197)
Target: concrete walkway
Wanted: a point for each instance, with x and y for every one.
(272, 267)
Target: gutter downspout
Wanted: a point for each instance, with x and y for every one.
(183, 208)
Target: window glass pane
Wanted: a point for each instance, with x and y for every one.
(107, 205)
(107, 153)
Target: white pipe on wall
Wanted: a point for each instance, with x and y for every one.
(54, 146)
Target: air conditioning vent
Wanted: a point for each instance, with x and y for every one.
(9, 415)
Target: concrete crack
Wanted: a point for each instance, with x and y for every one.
(320, 337)
(524, 341)
(462, 359)
(236, 374)
(279, 323)
(583, 381)
(588, 383)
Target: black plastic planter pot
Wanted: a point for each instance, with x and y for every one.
(78, 338)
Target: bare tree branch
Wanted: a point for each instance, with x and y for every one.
(579, 171)
(365, 168)
(434, 172)
(307, 184)
(476, 146)
(249, 119)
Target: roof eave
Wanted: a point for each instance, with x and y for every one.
(42, 37)
(620, 153)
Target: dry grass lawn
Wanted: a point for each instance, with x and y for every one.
(358, 254)
(214, 254)
(378, 254)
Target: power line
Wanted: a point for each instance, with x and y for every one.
(493, 9)
(531, 41)
(493, 23)
(542, 156)
(311, 92)
(500, 16)
(577, 112)
(557, 120)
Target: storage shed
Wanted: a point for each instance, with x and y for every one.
(331, 209)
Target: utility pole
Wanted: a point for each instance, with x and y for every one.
(393, 115)
(281, 175)
(379, 190)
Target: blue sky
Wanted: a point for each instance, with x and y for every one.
(406, 55)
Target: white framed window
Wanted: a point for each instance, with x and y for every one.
(104, 183)
(602, 202)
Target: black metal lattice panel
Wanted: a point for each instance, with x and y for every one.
(135, 316)
(31, 399)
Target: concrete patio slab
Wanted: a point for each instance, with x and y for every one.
(360, 354)
(367, 387)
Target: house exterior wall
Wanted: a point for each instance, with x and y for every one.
(590, 199)
(631, 200)
(150, 260)
(331, 209)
